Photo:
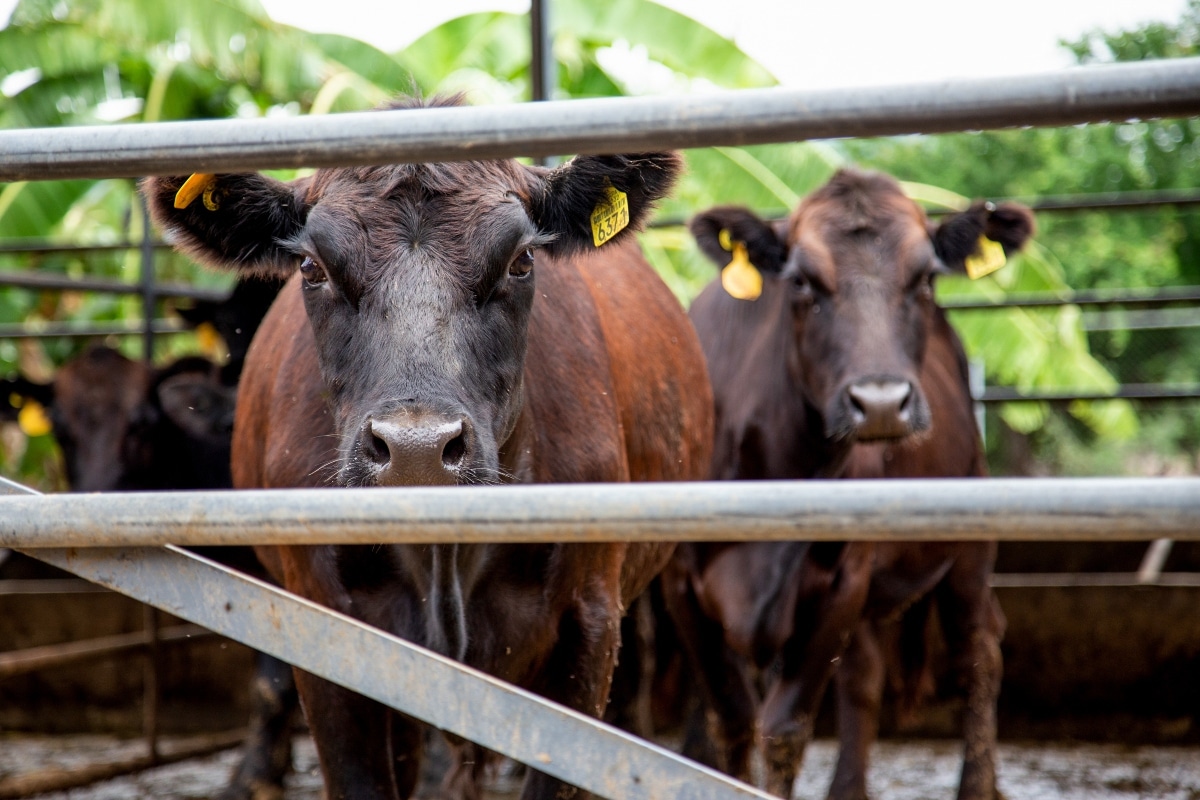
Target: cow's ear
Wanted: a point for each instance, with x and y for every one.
(957, 238)
(198, 405)
(233, 222)
(592, 200)
(719, 229)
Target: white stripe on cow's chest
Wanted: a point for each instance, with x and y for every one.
(443, 574)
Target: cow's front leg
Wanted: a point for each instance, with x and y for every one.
(366, 750)
(860, 679)
(578, 674)
(974, 625)
(723, 739)
(266, 754)
(829, 606)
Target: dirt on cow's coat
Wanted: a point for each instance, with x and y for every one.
(901, 770)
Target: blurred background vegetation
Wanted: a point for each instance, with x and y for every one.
(74, 62)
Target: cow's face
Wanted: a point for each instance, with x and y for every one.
(418, 281)
(858, 260)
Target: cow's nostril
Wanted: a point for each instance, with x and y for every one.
(377, 447)
(454, 452)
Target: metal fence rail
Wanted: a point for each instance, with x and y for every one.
(1015, 509)
(748, 116)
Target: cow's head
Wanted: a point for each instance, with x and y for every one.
(418, 281)
(858, 259)
(122, 425)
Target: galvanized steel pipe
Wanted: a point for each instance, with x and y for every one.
(1089, 509)
(751, 116)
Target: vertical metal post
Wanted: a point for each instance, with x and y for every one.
(543, 70)
(977, 382)
(151, 692)
(148, 292)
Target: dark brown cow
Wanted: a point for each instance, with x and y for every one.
(455, 324)
(845, 367)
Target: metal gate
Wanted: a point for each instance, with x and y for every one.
(130, 543)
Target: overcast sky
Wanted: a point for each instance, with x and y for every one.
(807, 43)
(814, 43)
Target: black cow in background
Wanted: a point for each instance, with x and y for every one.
(123, 425)
(235, 318)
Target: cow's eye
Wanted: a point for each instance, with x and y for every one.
(922, 285)
(312, 272)
(802, 288)
(522, 265)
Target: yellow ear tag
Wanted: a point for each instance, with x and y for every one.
(208, 338)
(199, 184)
(739, 277)
(990, 258)
(610, 216)
(32, 419)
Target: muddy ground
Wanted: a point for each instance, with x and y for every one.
(902, 770)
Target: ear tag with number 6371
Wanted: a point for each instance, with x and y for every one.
(610, 216)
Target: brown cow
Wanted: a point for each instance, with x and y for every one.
(845, 367)
(456, 324)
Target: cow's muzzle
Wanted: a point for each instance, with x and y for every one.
(415, 448)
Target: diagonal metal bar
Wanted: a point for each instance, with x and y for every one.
(1019, 509)
(1145, 89)
(415, 681)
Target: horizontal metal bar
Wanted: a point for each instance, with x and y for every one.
(1018, 509)
(1128, 391)
(67, 330)
(1101, 297)
(33, 659)
(1110, 201)
(30, 586)
(632, 124)
(53, 282)
(1091, 580)
(43, 246)
(456, 698)
(1157, 319)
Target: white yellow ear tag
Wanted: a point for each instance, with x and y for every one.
(198, 184)
(610, 216)
(32, 419)
(990, 258)
(739, 278)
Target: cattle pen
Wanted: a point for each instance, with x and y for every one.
(131, 543)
